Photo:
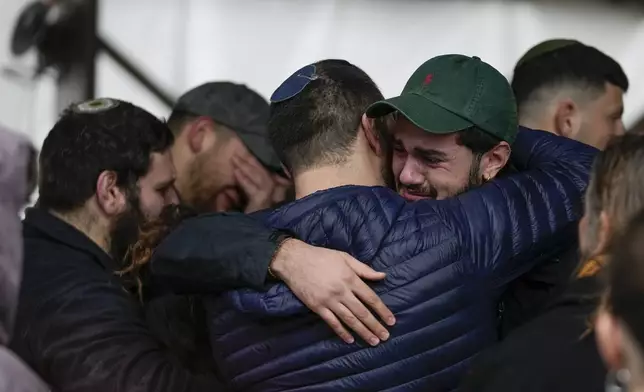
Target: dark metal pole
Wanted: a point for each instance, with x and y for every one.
(132, 69)
(77, 79)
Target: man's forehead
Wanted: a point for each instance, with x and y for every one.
(161, 168)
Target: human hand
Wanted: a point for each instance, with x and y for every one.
(256, 182)
(282, 186)
(330, 283)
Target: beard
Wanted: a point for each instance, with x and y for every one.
(474, 180)
(125, 231)
(204, 189)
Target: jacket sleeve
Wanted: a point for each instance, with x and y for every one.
(90, 334)
(213, 253)
(512, 223)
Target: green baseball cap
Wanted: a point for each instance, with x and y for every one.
(454, 92)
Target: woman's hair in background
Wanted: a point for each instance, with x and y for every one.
(151, 234)
(625, 298)
(616, 186)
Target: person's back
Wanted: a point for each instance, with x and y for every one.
(446, 261)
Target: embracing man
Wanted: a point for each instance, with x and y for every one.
(447, 261)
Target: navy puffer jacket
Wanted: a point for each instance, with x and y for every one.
(446, 263)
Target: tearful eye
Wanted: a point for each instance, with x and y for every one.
(431, 161)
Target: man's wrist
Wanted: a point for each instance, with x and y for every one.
(283, 254)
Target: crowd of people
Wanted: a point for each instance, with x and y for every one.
(471, 234)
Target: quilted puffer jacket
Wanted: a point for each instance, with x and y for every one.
(446, 262)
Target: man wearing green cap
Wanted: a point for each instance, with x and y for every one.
(570, 89)
(456, 120)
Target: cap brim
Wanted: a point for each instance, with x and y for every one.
(422, 112)
(261, 149)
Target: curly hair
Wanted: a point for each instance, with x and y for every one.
(151, 234)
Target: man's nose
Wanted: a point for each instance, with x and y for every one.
(410, 175)
(173, 197)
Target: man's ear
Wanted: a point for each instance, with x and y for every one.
(567, 119)
(197, 132)
(110, 198)
(371, 134)
(608, 335)
(495, 160)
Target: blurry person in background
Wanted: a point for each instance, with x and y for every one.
(557, 351)
(105, 169)
(573, 90)
(620, 324)
(17, 182)
(223, 158)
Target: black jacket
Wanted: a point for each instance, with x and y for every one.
(556, 352)
(81, 329)
(531, 294)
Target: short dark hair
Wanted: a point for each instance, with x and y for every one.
(179, 118)
(575, 64)
(81, 145)
(479, 143)
(319, 125)
(477, 140)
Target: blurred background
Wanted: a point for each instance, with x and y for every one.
(150, 51)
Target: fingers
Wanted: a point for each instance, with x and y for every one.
(372, 301)
(249, 171)
(251, 162)
(245, 181)
(335, 324)
(280, 180)
(363, 270)
(367, 320)
(353, 321)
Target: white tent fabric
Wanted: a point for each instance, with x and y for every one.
(260, 42)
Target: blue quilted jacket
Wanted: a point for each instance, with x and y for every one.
(446, 263)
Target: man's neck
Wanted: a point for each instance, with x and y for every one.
(326, 177)
(85, 225)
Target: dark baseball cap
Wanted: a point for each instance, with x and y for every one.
(239, 108)
(546, 47)
(454, 92)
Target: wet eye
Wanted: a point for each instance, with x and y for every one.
(399, 148)
(431, 160)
